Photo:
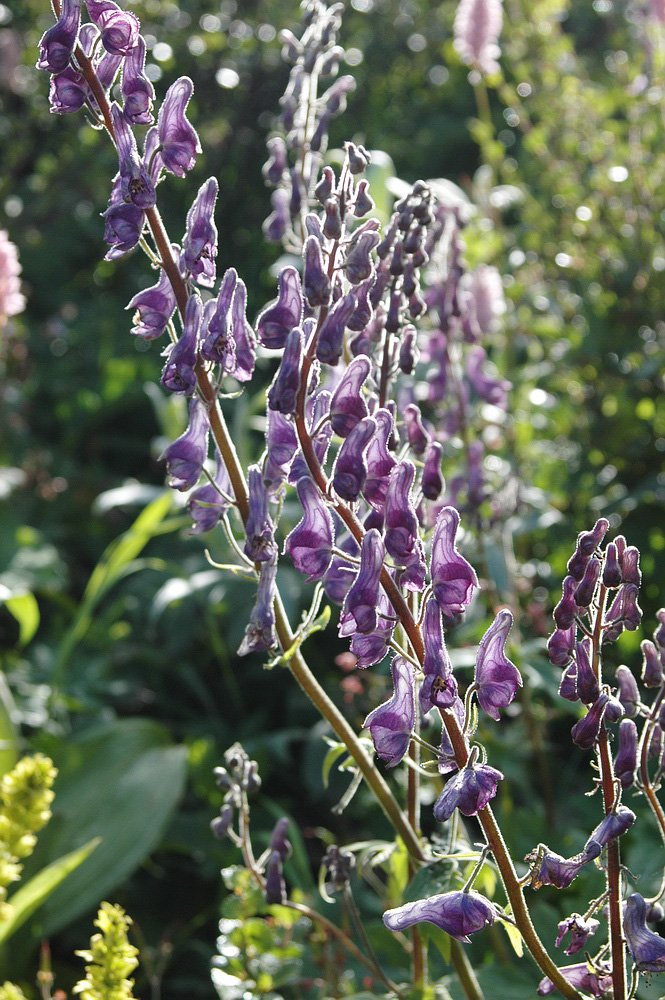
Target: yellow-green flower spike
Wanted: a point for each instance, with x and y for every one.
(111, 958)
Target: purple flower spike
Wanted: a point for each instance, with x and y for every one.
(154, 308)
(586, 681)
(372, 648)
(457, 913)
(469, 791)
(315, 280)
(598, 984)
(278, 840)
(359, 612)
(552, 869)
(625, 764)
(178, 138)
(185, 457)
(646, 948)
(432, 480)
(453, 578)
(260, 542)
(275, 885)
(581, 931)
(57, 44)
(123, 228)
(242, 334)
(614, 825)
(347, 405)
(585, 732)
(415, 432)
(206, 505)
(560, 646)
(260, 632)
(200, 243)
(281, 445)
(283, 392)
(400, 515)
(311, 541)
(350, 469)
(279, 318)
(118, 28)
(652, 666)
(331, 334)
(439, 687)
(628, 691)
(179, 374)
(588, 541)
(138, 92)
(218, 344)
(68, 92)
(391, 724)
(496, 677)
(135, 182)
(380, 462)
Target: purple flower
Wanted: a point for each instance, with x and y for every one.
(185, 457)
(206, 505)
(372, 648)
(469, 791)
(277, 162)
(315, 279)
(568, 684)
(566, 610)
(477, 29)
(118, 28)
(457, 913)
(630, 566)
(586, 682)
(331, 334)
(277, 223)
(279, 318)
(391, 724)
(625, 763)
(453, 578)
(408, 350)
(359, 610)
(652, 664)
(138, 92)
(278, 839)
(123, 228)
(614, 825)
(585, 732)
(612, 576)
(582, 929)
(57, 44)
(200, 243)
(68, 92)
(243, 335)
(260, 542)
(317, 409)
(598, 983)
(347, 405)
(415, 432)
(281, 445)
(551, 869)
(179, 374)
(275, 890)
(178, 138)
(497, 679)
(260, 632)
(218, 344)
(311, 541)
(358, 265)
(646, 948)
(583, 594)
(154, 308)
(135, 182)
(340, 574)
(350, 469)
(560, 646)
(283, 392)
(439, 687)
(400, 515)
(493, 390)
(432, 481)
(628, 691)
(379, 460)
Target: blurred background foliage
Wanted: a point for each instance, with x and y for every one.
(120, 645)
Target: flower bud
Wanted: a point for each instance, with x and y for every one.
(626, 759)
(432, 480)
(652, 667)
(611, 569)
(628, 692)
(358, 264)
(585, 732)
(583, 594)
(260, 543)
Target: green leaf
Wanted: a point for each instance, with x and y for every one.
(25, 610)
(120, 781)
(514, 935)
(9, 738)
(431, 880)
(30, 896)
(335, 752)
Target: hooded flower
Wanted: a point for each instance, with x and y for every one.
(331, 334)
(119, 29)
(260, 632)
(315, 280)
(551, 869)
(497, 679)
(138, 92)
(123, 228)
(206, 505)
(347, 405)
(218, 344)
(243, 335)
(469, 791)
(185, 457)
(625, 763)
(154, 308)
(379, 460)
(372, 648)
(260, 542)
(400, 516)
(585, 732)
(179, 374)
(581, 929)
(391, 724)
(311, 541)
(439, 687)
(200, 243)
(360, 604)
(646, 948)
(178, 138)
(431, 481)
(583, 977)
(457, 913)
(57, 44)
(283, 392)
(281, 446)
(350, 469)
(135, 182)
(614, 825)
(279, 318)
(453, 579)
(415, 431)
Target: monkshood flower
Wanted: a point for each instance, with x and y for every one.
(581, 929)
(316, 282)
(492, 389)
(457, 913)
(439, 687)
(186, 456)
(625, 763)
(453, 578)
(347, 405)
(561, 645)
(350, 470)
(379, 461)
(243, 335)
(551, 869)
(260, 542)
(340, 574)
(123, 228)
(138, 92)
(586, 682)
(275, 890)
(469, 791)
(415, 431)
(331, 334)
(587, 543)
(281, 446)
(496, 678)
(177, 137)
(391, 725)
(200, 243)
(318, 407)
(179, 375)
(585, 732)
(118, 28)
(359, 611)
(477, 28)
(583, 977)
(400, 516)
(260, 633)
(311, 541)
(217, 343)
(277, 320)
(566, 610)
(431, 481)
(57, 44)
(627, 691)
(647, 949)
(652, 664)
(583, 594)
(612, 576)
(614, 825)
(154, 308)
(135, 182)
(371, 648)
(67, 92)
(206, 505)
(283, 392)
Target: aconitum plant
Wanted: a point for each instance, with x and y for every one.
(355, 433)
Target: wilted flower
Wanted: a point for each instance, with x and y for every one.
(582, 976)
(581, 929)
(457, 913)
(260, 632)
(391, 724)
(551, 869)
(206, 505)
(614, 825)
